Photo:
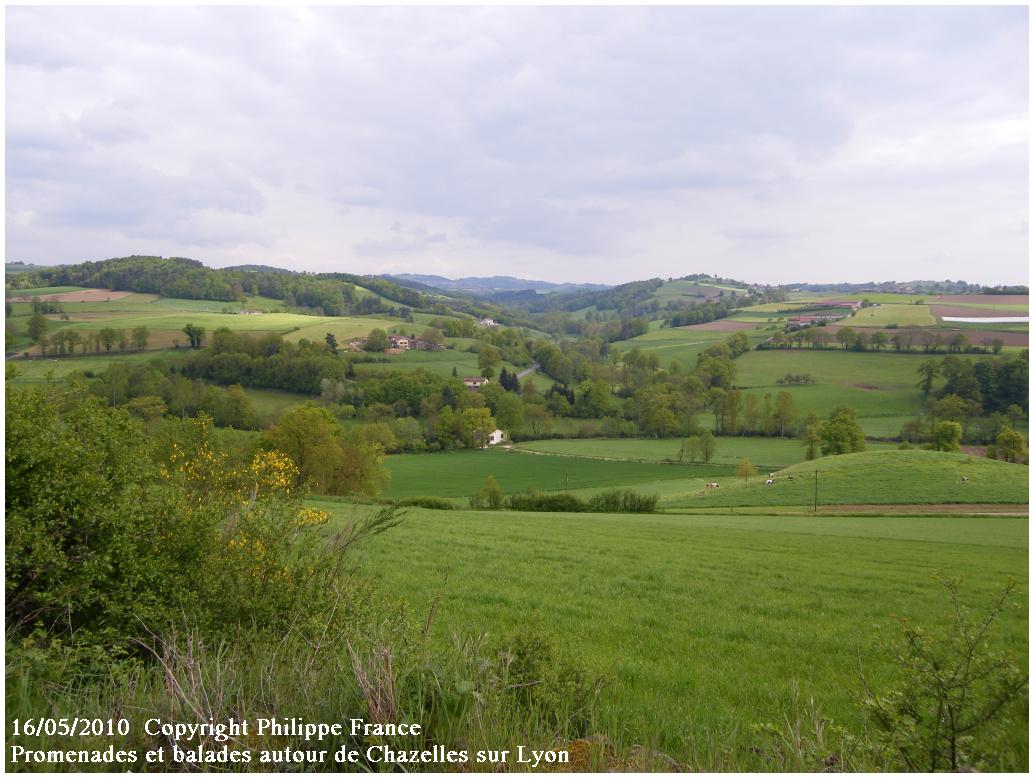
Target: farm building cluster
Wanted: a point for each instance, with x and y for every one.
(827, 311)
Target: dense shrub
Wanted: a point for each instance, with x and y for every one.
(488, 496)
(614, 501)
(434, 503)
(559, 502)
(97, 540)
(622, 501)
(114, 530)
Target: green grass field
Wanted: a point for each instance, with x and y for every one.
(142, 303)
(437, 362)
(878, 478)
(674, 344)
(165, 320)
(1008, 326)
(40, 291)
(829, 366)
(703, 625)
(36, 370)
(773, 309)
(688, 291)
(887, 298)
(884, 314)
(875, 384)
(757, 317)
(270, 403)
(255, 303)
(767, 452)
(461, 473)
(884, 426)
(344, 328)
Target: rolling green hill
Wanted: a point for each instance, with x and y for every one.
(877, 477)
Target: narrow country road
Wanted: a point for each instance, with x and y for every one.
(528, 370)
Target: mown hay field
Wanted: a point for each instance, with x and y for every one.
(705, 625)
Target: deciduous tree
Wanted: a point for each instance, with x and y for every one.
(195, 334)
(708, 446)
(37, 327)
(947, 435)
(141, 335)
(746, 469)
(377, 340)
(842, 434)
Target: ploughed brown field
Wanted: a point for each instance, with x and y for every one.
(82, 296)
(989, 299)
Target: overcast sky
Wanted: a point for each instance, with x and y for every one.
(594, 144)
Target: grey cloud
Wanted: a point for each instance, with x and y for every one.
(536, 133)
(401, 240)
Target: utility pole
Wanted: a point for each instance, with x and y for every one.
(815, 505)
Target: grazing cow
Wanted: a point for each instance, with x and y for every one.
(789, 478)
(965, 478)
(770, 481)
(712, 485)
(771, 475)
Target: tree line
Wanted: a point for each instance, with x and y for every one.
(905, 340)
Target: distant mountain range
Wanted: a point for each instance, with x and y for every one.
(489, 284)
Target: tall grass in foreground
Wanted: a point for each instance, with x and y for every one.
(952, 707)
(473, 694)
